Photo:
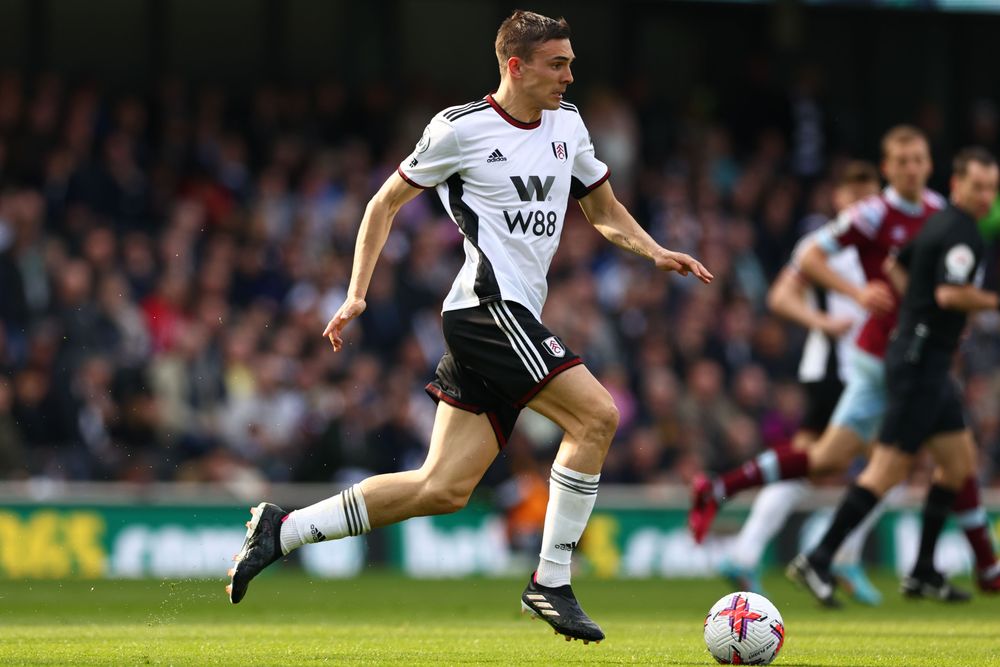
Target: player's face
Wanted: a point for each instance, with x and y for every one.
(845, 195)
(977, 190)
(547, 74)
(907, 166)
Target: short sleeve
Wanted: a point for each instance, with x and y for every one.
(795, 263)
(588, 172)
(435, 157)
(956, 265)
(857, 225)
(828, 237)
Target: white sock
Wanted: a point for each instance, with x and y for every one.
(340, 516)
(571, 499)
(850, 550)
(770, 510)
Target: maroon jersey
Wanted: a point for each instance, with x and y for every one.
(878, 226)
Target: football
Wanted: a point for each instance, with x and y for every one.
(744, 629)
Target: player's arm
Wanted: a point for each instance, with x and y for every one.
(617, 225)
(958, 281)
(896, 273)
(372, 234)
(875, 296)
(787, 298)
(966, 298)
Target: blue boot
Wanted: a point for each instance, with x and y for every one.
(853, 579)
(744, 579)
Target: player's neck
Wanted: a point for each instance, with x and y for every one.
(515, 105)
(910, 198)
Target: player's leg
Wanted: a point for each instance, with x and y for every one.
(954, 459)
(887, 467)
(774, 503)
(854, 422)
(971, 518)
(463, 445)
(708, 493)
(835, 451)
(847, 567)
(584, 409)
(771, 508)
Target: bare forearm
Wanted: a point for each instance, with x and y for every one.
(787, 302)
(816, 268)
(966, 298)
(372, 235)
(619, 227)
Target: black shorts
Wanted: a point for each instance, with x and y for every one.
(923, 398)
(821, 400)
(498, 357)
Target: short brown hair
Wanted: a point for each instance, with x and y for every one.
(960, 165)
(858, 172)
(522, 32)
(901, 134)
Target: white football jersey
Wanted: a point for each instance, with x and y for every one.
(816, 363)
(506, 185)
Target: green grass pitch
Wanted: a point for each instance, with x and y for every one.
(288, 619)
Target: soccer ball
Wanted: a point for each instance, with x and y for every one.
(744, 629)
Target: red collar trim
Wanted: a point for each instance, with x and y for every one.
(510, 119)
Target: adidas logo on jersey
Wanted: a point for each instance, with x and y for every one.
(566, 546)
(496, 156)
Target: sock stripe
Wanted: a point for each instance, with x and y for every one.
(357, 512)
(572, 488)
(352, 528)
(973, 518)
(572, 480)
(770, 471)
(359, 503)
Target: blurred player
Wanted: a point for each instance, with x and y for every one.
(504, 167)
(832, 320)
(875, 227)
(942, 267)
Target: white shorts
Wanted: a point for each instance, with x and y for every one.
(862, 406)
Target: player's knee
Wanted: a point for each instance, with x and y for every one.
(826, 460)
(444, 499)
(602, 422)
(954, 474)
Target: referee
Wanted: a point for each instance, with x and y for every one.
(939, 273)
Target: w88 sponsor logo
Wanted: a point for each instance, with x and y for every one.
(539, 223)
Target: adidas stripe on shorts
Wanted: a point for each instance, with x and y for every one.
(498, 357)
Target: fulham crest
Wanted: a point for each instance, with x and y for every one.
(554, 347)
(559, 150)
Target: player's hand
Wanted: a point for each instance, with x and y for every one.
(837, 326)
(668, 260)
(877, 297)
(347, 312)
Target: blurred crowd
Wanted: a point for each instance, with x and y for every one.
(168, 261)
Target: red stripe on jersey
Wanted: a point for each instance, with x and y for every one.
(596, 184)
(411, 181)
(510, 119)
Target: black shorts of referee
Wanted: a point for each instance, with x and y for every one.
(924, 399)
(499, 356)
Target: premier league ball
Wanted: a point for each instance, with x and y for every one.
(744, 629)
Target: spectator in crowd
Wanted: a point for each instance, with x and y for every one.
(166, 260)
